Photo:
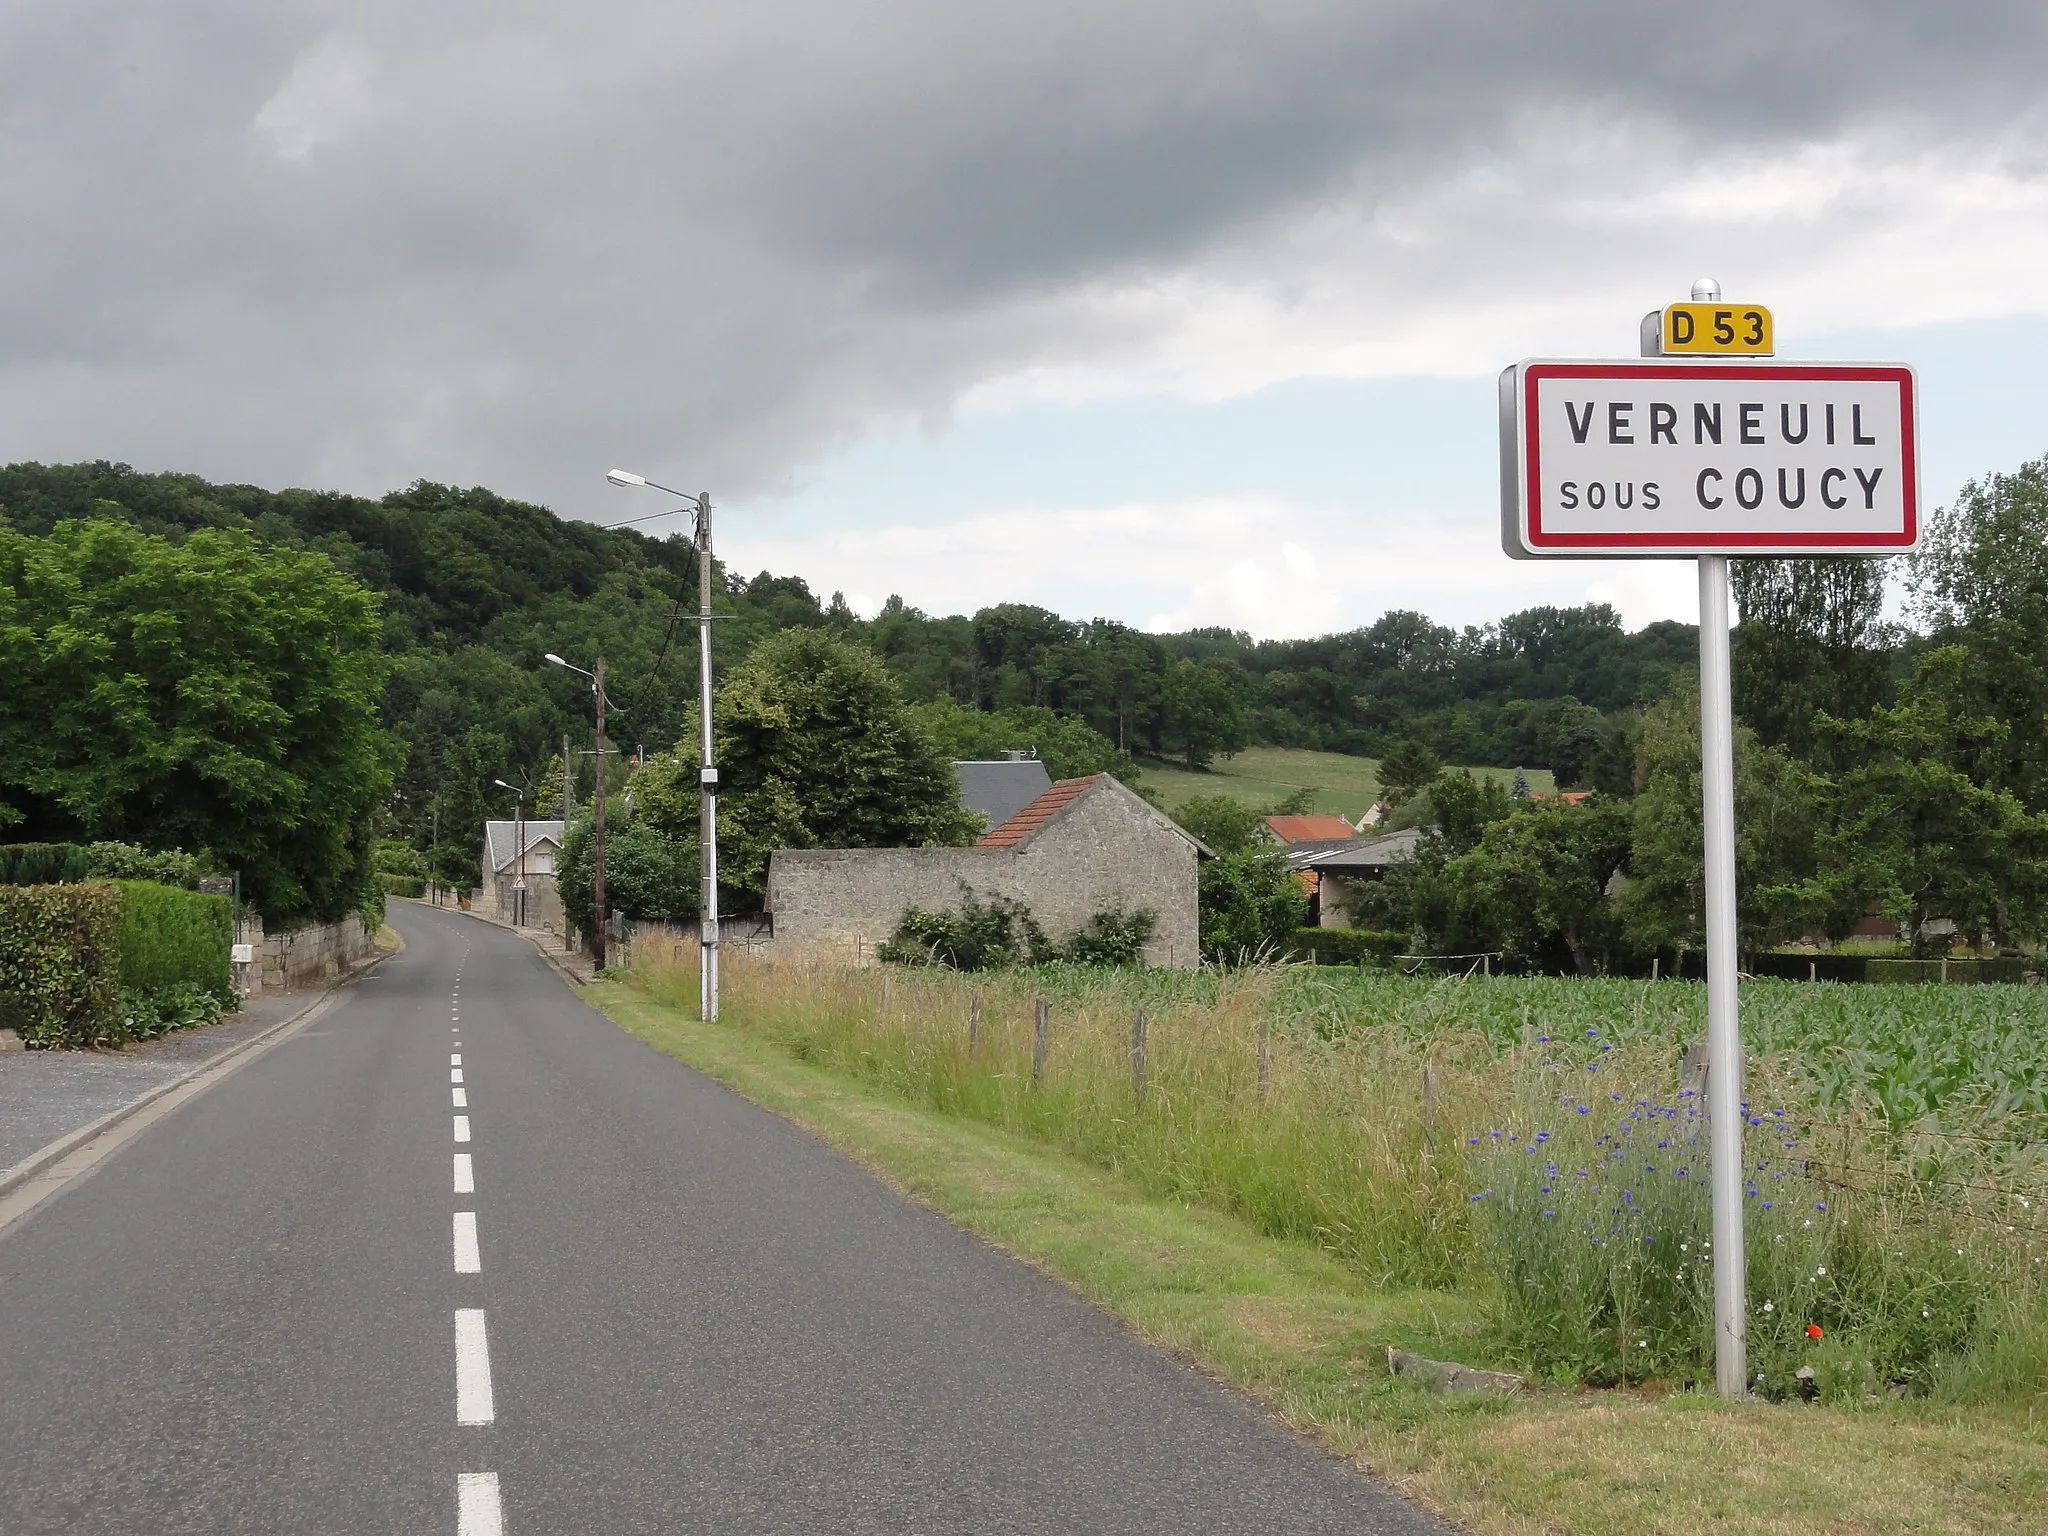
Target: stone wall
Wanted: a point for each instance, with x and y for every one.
(1107, 850)
(303, 957)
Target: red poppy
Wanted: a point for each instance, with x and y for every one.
(1813, 1330)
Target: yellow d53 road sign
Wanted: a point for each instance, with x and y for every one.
(1732, 330)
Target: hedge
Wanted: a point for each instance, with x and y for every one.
(1347, 946)
(402, 885)
(41, 863)
(172, 937)
(60, 963)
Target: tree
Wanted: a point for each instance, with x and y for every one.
(1408, 767)
(1204, 710)
(816, 749)
(1069, 748)
(1568, 738)
(1980, 581)
(1462, 807)
(647, 873)
(1811, 639)
(1779, 802)
(213, 694)
(1541, 877)
(1251, 904)
(1224, 824)
(1917, 826)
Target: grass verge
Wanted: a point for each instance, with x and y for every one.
(1287, 1324)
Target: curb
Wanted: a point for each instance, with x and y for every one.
(37, 1161)
(561, 967)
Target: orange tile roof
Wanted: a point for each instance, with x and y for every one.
(1037, 813)
(1293, 829)
(1568, 796)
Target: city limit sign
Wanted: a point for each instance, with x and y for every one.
(1670, 457)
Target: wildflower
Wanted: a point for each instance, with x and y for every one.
(1767, 1205)
(1685, 1247)
(1471, 1141)
(1683, 1172)
(1481, 1195)
(1925, 1313)
(1807, 1223)
(1820, 1205)
(1821, 1273)
(1592, 1066)
(1642, 1343)
(1591, 1032)
(1584, 1110)
(1543, 1039)
(1770, 1306)
(1813, 1330)
(1547, 1215)
(1615, 1096)
(1542, 1136)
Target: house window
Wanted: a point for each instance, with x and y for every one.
(541, 863)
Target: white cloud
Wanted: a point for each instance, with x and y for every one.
(326, 95)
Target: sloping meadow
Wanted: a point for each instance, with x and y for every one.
(1524, 1139)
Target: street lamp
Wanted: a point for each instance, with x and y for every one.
(707, 772)
(519, 885)
(597, 836)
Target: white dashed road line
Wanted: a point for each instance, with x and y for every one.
(465, 1175)
(467, 1260)
(473, 1403)
(478, 1511)
(461, 1097)
(462, 1127)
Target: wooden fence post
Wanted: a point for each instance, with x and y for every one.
(1428, 1108)
(1138, 1054)
(1265, 1054)
(1041, 1026)
(974, 1023)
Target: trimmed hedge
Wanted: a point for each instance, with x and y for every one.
(1347, 946)
(402, 885)
(60, 963)
(172, 937)
(41, 863)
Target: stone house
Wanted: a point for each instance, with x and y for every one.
(1001, 788)
(502, 866)
(1082, 847)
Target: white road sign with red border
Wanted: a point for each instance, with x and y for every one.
(1669, 457)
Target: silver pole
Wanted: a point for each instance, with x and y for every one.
(1724, 1021)
(707, 981)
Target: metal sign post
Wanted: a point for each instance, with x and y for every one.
(1717, 454)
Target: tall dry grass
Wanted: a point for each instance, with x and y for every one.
(1375, 1133)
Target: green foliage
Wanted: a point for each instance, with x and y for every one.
(213, 694)
(146, 1015)
(1114, 937)
(1069, 748)
(60, 963)
(980, 936)
(41, 863)
(1250, 906)
(1407, 768)
(1811, 641)
(1202, 710)
(1537, 881)
(1461, 808)
(126, 861)
(815, 750)
(389, 856)
(412, 886)
(172, 937)
(1347, 946)
(648, 874)
(1223, 824)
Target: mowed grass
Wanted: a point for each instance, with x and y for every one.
(1262, 776)
(1301, 1322)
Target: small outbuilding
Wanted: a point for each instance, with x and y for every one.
(503, 869)
(1080, 848)
(1337, 868)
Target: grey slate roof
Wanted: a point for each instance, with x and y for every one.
(1355, 853)
(1000, 790)
(501, 842)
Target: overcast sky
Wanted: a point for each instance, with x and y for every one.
(1174, 311)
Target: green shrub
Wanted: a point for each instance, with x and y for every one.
(41, 863)
(389, 856)
(126, 861)
(401, 885)
(172, 937)
(1347, 946)
(60, 963)
(147, 1014)
(976, 938)
(1114, 937)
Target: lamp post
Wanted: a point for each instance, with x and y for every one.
(707, 771)
(596, 677)
(519, 885)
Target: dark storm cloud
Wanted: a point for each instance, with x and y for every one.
(516, 242)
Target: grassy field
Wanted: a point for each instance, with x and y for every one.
(1282, 1228)
(1345, 786)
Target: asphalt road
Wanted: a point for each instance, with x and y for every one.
(657, 1309)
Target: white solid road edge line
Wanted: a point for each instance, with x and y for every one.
(478, 1509)
(473, 1403)
(468, 1261)
(462, 1127)
(465, 1175)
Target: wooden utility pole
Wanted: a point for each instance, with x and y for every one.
(597, 880)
